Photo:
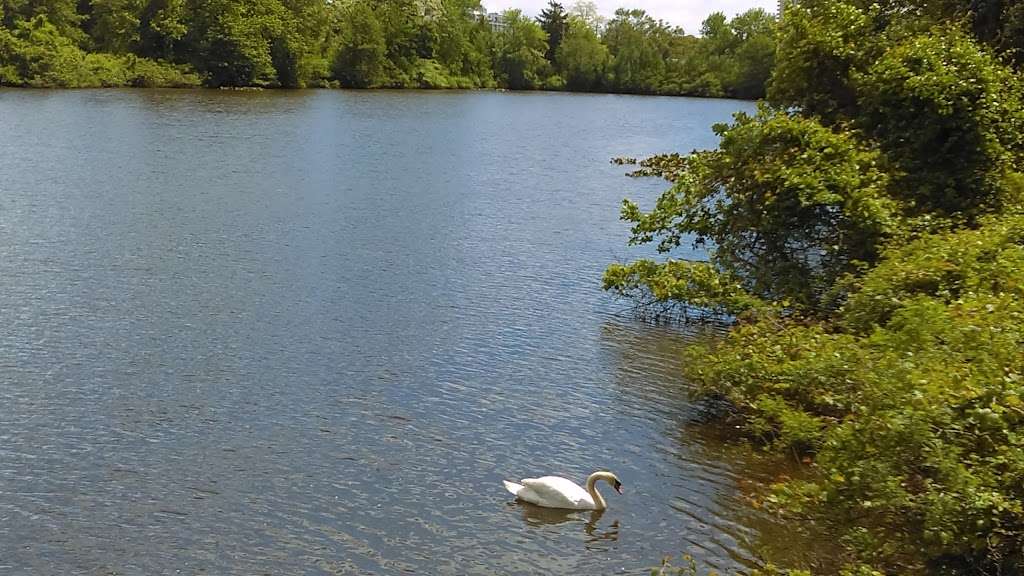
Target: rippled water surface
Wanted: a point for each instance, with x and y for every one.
(311, 332)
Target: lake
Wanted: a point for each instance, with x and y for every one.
(311, 332)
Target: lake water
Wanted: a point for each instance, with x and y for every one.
(311, 332)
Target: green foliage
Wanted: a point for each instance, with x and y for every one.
(698, 285)
(639, 47)
(145, 73)
(581, 58)
(820, 44)
(161, 27)
(866, 236)
(788, 205)
(985, 261)
(426, 43)
(912, 411)
(231, 40)
(753, 51)
(520, 61)
(555, 23)
(360, 59)
(37, 55)
(949, 116)
(113, 25)
(62, 15)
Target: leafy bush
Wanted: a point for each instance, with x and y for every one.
(913, 413)
(788, 205)
(37, 55)
(867, 237)
(948, 116)
(145, 73)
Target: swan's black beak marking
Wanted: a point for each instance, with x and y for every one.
(618, 487)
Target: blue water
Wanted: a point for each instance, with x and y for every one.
(311, 332)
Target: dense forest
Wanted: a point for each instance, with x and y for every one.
(376, 43)
(865, 232)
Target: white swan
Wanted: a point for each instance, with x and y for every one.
(558, 492)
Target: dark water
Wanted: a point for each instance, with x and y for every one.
(310, 333)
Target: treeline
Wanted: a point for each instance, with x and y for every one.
(865, 231)
(376, 43)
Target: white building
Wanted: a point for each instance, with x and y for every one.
(496, 21)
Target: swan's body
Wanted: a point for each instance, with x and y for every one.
(558, 492)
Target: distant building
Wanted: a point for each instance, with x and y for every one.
(496, 21)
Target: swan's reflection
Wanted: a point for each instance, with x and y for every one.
(541, 516)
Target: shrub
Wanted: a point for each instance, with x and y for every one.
(911, 403)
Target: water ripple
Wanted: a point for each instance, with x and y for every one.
(312, 332)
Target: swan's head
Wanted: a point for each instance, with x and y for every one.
(614, 481)
(607, 477)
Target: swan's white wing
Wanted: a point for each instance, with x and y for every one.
(555, 492)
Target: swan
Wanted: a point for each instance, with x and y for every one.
(558, 492)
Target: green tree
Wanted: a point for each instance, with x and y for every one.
(586, 11)
(62, 15)
(639, 47)
(520, 61)
(113, 25)
(555, 22)
(231, 41)
(407, 37)
(949, 116)
(360, 60)
(462, 43)
(162, 25)
(866, 235)
(582, 58)
(753, 53)
(785, 206)
(821, 43)
(37, 54)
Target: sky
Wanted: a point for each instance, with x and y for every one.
(685, 13)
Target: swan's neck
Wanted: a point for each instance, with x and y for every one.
(599, 503)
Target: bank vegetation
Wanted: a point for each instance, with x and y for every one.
(865, 232)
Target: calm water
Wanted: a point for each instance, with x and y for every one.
(310, 333)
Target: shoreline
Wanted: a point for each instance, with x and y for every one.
(376, 89)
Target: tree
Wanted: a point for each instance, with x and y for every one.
(866, 235)
(407, 38)
(520, 49)
(162, 25)
(949, 116)
(581, 58)
(113, 25)
(785, 206)
(230, 40)
(586, 11)
(427, 43)
(820, 44)
(753, 53)
(639, 47)
(555, 22)
(62, 15)
(361, 52)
